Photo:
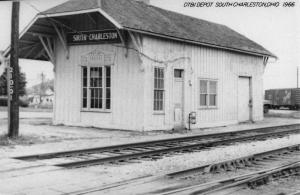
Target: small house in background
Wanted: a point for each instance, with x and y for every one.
(41, 95)
(125, 64)
(45, 100)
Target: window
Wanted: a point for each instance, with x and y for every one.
(96, 88)
(203, 93)
(208, 93)
(212, 93)
(178, 73)
(158, 89)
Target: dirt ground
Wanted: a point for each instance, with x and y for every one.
(28, 109)
(284, 113)
(28, 113)
(38, 135)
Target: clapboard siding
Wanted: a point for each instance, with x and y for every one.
(127, 90)
(225, 66)
(133, 84)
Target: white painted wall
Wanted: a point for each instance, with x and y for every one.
(132, 85)
(127, 90)
(202, 62)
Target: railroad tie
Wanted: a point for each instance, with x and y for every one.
(248, 162)
(239, 163)
(230, 166)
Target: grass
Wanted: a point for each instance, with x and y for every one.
(28, 109)
(20, 140)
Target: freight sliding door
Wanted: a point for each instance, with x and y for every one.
(244, 99)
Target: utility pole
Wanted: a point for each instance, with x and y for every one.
(14, 74)
(297, 76)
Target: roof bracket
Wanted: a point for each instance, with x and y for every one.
(33, 33)
(124, 40)
(27, 47)
(265, 60)
(31, 50)
(42, 51)
(137, 42)
(49, 48)
(91, 18)
(62, 38)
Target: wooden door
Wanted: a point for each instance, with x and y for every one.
(244, 99)
(178, 99)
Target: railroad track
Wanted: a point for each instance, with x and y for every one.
(157, 149)
(256, 167)
(251, 180)
(250, 171)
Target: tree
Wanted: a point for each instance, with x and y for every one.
(42, 86)
(3, 84)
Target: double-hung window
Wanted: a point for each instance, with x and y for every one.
(158, 89)
(96, 88)
(208, 93)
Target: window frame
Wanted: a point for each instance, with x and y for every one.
(104, 87)
(207, 106)
(162, 111)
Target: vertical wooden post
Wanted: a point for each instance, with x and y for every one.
(13, 93)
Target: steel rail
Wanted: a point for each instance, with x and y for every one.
(247, 180)
(160, 152)
(192, 171)
(154, 143)
(252, 157)
(214, 186)
(294, 193)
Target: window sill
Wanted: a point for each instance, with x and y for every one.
(208, 108)
(97, 111)
(158, 113)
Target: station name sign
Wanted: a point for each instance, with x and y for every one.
(93, 37)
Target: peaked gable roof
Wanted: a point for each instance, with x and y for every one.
(134, 15)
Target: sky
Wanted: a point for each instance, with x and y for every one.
(277, 29)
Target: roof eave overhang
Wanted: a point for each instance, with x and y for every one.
(119, 26)
(7, 50)
(113, 21)
(201, 43)
(45, 15)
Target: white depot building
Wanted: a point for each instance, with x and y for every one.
(124, 64)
